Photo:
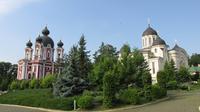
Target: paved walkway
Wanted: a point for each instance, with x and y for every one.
(179, 102)
(17, 109)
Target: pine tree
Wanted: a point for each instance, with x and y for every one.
(70, 82)
(84, 61)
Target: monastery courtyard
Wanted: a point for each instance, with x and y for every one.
(177, 102)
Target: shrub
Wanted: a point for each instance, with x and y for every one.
(98, 100)
(129, 96)
(147, 93)
(24, 84)
(88, 93)
(4, 84)
(158, 92)
(172, 85)
(162, 79)
(85, 102)
(33, 84)
(48, 81)
(109, 89)
(14, 85)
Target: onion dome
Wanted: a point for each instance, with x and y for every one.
(158, 41)
(149, 31)
(39, 39)
(46, 40)
(45, 31)
(60, 43)
(29, 44)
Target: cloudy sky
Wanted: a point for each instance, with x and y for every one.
(110, 21)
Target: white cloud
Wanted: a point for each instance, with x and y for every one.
(7, 6)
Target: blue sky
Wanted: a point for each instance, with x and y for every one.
(111, 21)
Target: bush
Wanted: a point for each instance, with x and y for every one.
(14, 85)
(85, 102)
(109, 89)
(98, 100)
(33, 84)
(88, 93)
(48, 81)
(147, 93)
(129, 96)
(158, 92)
(172, 85)
(24, 84)
(4, 84)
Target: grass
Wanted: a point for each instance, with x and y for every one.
(37, 98)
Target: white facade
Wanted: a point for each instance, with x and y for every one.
(156, 53)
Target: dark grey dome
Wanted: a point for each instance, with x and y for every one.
(45, 39)
(177, 48)
(149, 31)
(60, 43)
(39, 39)
(159, 41)
(29, 44)
(45, 31)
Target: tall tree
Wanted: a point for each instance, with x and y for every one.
(183, 75)
(8, 73)
(70, 82)
(194, 59)
(83, 56)
(105, 59)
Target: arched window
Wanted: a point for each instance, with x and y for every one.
(48, 54)
(155, 50)
(149, 41)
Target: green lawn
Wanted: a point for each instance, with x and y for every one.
(37, 98)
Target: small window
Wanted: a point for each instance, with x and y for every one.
(153, 67)
(155, 50)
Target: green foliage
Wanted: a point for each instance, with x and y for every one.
(194, 60)
(183, 75)
(168, 74)
(83, 58)
(4, 84)
(133, 70)
(34, 84)
(8, 73)
(37, 98)
(147, 93)
(172, 85)
(129, 96)
(162, 79)
(70, 82)
(158, 92)
(85, 102)
(105, 60)
(24, 84)
(109, 89)
(14, 85)
(48, 81)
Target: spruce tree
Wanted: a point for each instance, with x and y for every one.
(70, 82)
(83, 58)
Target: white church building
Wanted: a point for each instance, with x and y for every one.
(157, 52)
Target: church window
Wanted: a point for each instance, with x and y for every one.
(48, 54)
(155, 50)
(153, 67)
(149, 41)
(145, 41)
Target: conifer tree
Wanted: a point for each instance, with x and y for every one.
(70, 82)
(83, 58)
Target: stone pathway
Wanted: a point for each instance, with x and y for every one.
(179, 102)
(17, 109)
